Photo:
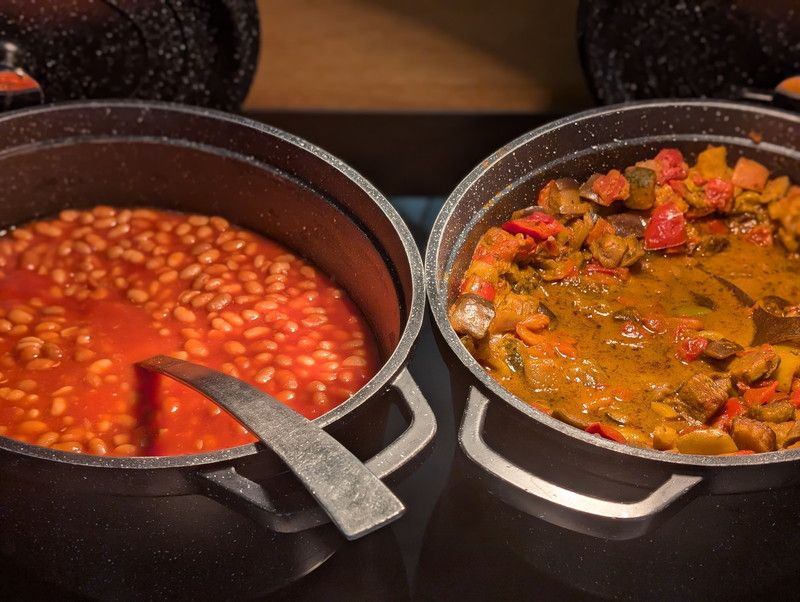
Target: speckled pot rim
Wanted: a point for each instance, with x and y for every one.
(437, 289)
(378, 384)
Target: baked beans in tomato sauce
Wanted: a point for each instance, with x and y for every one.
(85, 296)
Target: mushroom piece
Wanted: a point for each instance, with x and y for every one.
(776, 411)
(753, 435)
(471, 315)
(754, 365)
(703, 395)
(721, 349)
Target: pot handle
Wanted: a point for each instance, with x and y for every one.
(558, 505)
(241, 494)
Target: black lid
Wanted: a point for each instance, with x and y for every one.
(199, 52)
(638, 49)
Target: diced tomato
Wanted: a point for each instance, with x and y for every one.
(761, 395)
(478, 286)
(696, 178)
(611, 187)
(483, 254)
(690, 349)
(654, 324)
(631, 330)
(666, 228)
(601, 227)
(504, 246)
(719, 193)
(678, 187)
(795, 398)
(760, 235)
(671, 165)
(715, 226)
(539, 226)
(605, 431)
(593, 268)
(733, 407)
(750, 175)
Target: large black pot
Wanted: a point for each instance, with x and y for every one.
(584, 509)
(233, 522)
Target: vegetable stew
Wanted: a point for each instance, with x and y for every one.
(657, 306)
(86, 295)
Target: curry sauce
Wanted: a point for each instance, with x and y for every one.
(655, 307)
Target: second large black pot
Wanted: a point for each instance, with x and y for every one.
(592, 507)
(229, 523)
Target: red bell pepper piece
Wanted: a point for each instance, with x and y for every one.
(719, 193)
(671, 165)
(761, 395)
(594, 267)
(605, 431)
(691, 348)
(539, 226)
(478, 286)
(733, 407)
(666, 228)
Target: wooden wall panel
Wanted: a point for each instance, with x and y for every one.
(431, 55)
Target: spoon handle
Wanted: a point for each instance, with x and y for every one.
(356, 500)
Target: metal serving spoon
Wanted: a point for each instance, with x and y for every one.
(769, 328)
(356, 500)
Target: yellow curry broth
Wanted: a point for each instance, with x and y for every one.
(612, 318)
(618, 374)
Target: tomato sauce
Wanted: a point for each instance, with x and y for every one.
(87, 295)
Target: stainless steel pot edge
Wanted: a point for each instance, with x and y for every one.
(438, 297)
(387, 376)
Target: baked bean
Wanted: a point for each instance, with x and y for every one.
(256, 332)
(58, 406)
(20, 316)
(100, 366)
(196, 347)
(83, 355)
(125, 449)
(168, 277)
(191, 271)
(32, 427)
(219, 302)
(97, 446)
(40, 364)
(68, 446)
(183, 314)
(138, 296)
(234, 348)
(47, 439)
(191, 287)
(201, 299)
